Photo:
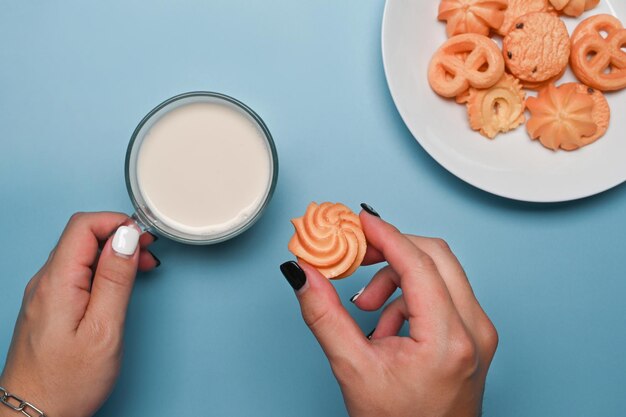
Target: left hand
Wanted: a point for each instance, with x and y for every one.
(67, 346)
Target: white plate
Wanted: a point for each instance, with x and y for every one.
(512, 165)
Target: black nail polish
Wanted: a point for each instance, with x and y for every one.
(158, 261)
(294, 274)
(355, 296)
(369, 209)
(369, 336)
(154, 237)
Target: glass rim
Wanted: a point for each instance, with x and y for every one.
(147, 223)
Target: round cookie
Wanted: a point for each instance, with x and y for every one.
(540, 85)
(518, 8)
(538, 48)
(601, 112)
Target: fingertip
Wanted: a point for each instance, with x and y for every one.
(147, 238)
(126, 240)
(148, 261)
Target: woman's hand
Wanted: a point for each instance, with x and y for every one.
(67, 345)
(440, 370)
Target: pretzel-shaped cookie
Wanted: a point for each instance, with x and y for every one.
(600, 62)
(596, 24)
(452, 72)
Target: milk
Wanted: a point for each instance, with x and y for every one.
(204, 168)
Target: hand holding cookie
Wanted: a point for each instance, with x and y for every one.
(440, 368)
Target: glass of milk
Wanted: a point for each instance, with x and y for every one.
(200, 168)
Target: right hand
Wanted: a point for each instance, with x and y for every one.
(440, 369)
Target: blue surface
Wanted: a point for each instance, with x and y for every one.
(216, 331)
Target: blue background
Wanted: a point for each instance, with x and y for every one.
(216, 330)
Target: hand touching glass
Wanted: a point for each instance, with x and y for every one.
(67, 346)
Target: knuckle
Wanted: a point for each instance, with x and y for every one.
(114, 276)
(105, 336)
(441, 245)
(76, 217)
(316, 316)
(490, 338)
(424, 263)
(28, 290)
(464, 354)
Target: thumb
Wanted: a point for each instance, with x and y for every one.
(338, 334)
(114, 277)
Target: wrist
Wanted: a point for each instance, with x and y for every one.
(20, 392)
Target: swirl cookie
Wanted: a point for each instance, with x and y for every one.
(597, 61)
(538, 47)
(465, 61)
(561, 117)
(601, 113)
(329, 237)
(471, 16)
(497, 109)
(518, 8)
(574, 8)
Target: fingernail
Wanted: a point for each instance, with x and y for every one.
(357, 295)
(154, 237)
(369, 209)
(125, 240)
(158, 261)
(294, 274)
(369, 336)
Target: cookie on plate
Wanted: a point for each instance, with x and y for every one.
(518, 8)
(561, 117)
(541, 84)
(601, 113)
(596, 25)
(497, 109)
(472, 16)
(574, 8)
(538, 48)
(465, 61)
(598, 61)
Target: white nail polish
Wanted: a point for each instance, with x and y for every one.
(357, 295)
(125, 240)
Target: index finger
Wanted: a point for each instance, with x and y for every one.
(429, 304)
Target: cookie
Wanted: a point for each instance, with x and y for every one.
(561, 117)
(596, 25)
(540, 85)
(497, 109)
(574, 8)
(465, 61)
(597, 61)
(538, 47)
(601, 113)
(518, 8)
(329, 237)
(472, 16)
